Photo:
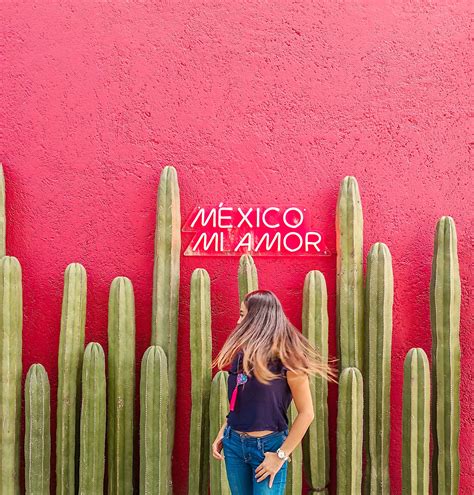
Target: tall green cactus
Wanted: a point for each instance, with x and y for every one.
(378, 331)
(121, 387)
(11, 322)
(3, 220)
(349, 432)
(350, 277)
(201, 350)
(37, 431)
(218, 409)
(248, 277)
(71, 350)
(315, 329)
(93, 418)
(445, 302)
(166, 283)
(294, 480)
(154, 475)
(416, 424)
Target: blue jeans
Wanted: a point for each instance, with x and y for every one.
(244, 453)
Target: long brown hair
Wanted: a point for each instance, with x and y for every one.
(264, 334)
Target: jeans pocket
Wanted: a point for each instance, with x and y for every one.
(226, 433)
(272, 444)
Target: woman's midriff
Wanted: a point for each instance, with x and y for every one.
(256, 433)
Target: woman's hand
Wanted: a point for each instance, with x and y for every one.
(269, 467)
(217, 447)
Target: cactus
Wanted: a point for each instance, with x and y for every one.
(218, 408)
(166, 283)
(71, 349)
(201, 349)
(3, 222)
(37, 431)
(315, 329)
(378, 328)
(294, 480)
(93, 413)
(154, 477)
(445, 301)
(349, 432)
(121, 387)
(248, 278)
(416, 424)
(11, 322)
(350, 278)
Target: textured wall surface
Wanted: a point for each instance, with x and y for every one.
(271, 102)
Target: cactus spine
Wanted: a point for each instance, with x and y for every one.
(218, 408)
(37, 431)
(294, 483)
(11, 322)
(201, 349)
(416, 424)
(445, 301)
(93, 414)
(378, 328)
(71, 349)
(166, 283)
(154, 476)
(248, 278)
(315, 329)
(350, 277)
(121, 387)
(349, 432)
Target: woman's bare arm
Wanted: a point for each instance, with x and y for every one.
(299, 385)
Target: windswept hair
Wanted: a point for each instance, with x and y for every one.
(265, 334)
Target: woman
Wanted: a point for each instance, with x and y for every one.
(270, 365)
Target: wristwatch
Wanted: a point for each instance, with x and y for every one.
(281, 454)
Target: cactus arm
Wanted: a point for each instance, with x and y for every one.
(445, 301)
(294, 484)
(218, 409)
(11, 305)
(350, 278)
(166, 275)
(416, 424)
(121, 387)
(378, 331)
(3, 219)
(315, 329)
(247, 275)
(37, 431)
(93, 419)
(71, 349)
(154, 477)
(200, 342)
(349, 432)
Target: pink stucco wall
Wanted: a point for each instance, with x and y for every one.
(252, 102)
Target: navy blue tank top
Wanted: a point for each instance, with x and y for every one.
(259, 406)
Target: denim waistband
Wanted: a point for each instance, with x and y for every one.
(229, 432)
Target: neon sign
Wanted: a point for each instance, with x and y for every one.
(256, 230)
